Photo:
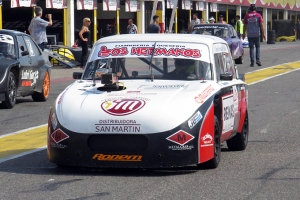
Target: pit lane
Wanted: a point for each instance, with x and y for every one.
(268, 169)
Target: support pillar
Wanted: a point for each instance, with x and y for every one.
(206, 12)
(140, 20)
(69, 27)
(1, 18)
(285, 14)
(239, 11)
(95, 26)
(265, 17)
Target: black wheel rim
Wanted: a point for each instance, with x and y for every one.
(12, 89)
(217, 142)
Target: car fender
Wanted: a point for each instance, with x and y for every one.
(206, 135)
(5, 67)
(243, 107)
(40, 81)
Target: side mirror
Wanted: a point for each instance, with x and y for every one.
(25, 53)
(226, 77)
(77, 75)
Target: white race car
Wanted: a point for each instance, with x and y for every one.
(151, 101)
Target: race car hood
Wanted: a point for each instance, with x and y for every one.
(143, 107)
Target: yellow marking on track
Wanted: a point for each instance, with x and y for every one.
(270, 72)
(23, 141)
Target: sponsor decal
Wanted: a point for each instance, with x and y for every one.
(26, 83)
(59, 146)
(228, 113)
(122, 107)
(163, 86)
(58, 136)
(224, 83)
(204, 94)
(181, 147)
(118, 158)
(104, 52)
(6, 38)
(180, 137)
(117, 126)
(207, 140)
(235, 99)
(29, 75)
(195, 119)
(146, 51)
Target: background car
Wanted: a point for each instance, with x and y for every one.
(131, 108)
(24, 69)
(226, 32)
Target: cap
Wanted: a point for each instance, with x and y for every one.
(212, 18)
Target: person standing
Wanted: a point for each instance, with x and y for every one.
(131, 28)
(253, 25)
(84, 35)
(211, 20)
(194, 22)
(239, 26)
(154, 27)
(221, 20)
(297, 30)
(37, 27)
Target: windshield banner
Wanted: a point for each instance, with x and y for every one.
(145, 49)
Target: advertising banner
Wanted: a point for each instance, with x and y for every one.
(86, 4)
(111, 5)
(132, 6)
(58, 4)
(22, 3)
(186, 5)
(200, 5)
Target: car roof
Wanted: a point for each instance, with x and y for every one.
(11, 32)
(185, 38)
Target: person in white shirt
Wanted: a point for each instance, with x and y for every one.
(194, 22)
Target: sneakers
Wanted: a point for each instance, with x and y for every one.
(258, 63)
(252, 65)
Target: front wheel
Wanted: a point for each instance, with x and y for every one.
(214, 162)
(43, 96)
(240, 140)
(240, 60)
(11, 92)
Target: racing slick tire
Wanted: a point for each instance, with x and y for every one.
(214, 162)
(11, 92)
(240, 140)
(240, 60)
(43, 96)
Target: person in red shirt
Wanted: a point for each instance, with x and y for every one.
(253, 22)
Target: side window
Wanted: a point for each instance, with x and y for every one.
(21, 45)
(224, 64)
(32, 48)
(233, 32)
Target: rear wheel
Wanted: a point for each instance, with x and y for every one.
(240, 140)
(11, 92)
(240, 60)
(43, 96)
(214, 162)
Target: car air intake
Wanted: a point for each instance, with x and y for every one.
(118, 143)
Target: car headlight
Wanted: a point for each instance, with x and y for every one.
(53, 118)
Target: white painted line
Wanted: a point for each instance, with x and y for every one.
(22, 154)
(273, 77)
(28, 129)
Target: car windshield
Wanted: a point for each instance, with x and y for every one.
(219, 31)
(161, 68)
(7, 49)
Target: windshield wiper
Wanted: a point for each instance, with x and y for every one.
(150, 64)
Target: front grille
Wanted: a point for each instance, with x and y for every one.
(118, 143)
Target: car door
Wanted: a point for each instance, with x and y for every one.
(37, 53)
(28, 64)
(228, 96)
(235, 43)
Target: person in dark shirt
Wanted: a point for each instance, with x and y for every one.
(183, 69)
(297, 30)
(154, 27)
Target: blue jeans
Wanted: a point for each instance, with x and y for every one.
(42, 46)
(254, 41)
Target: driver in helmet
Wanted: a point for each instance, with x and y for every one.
(183, 69)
